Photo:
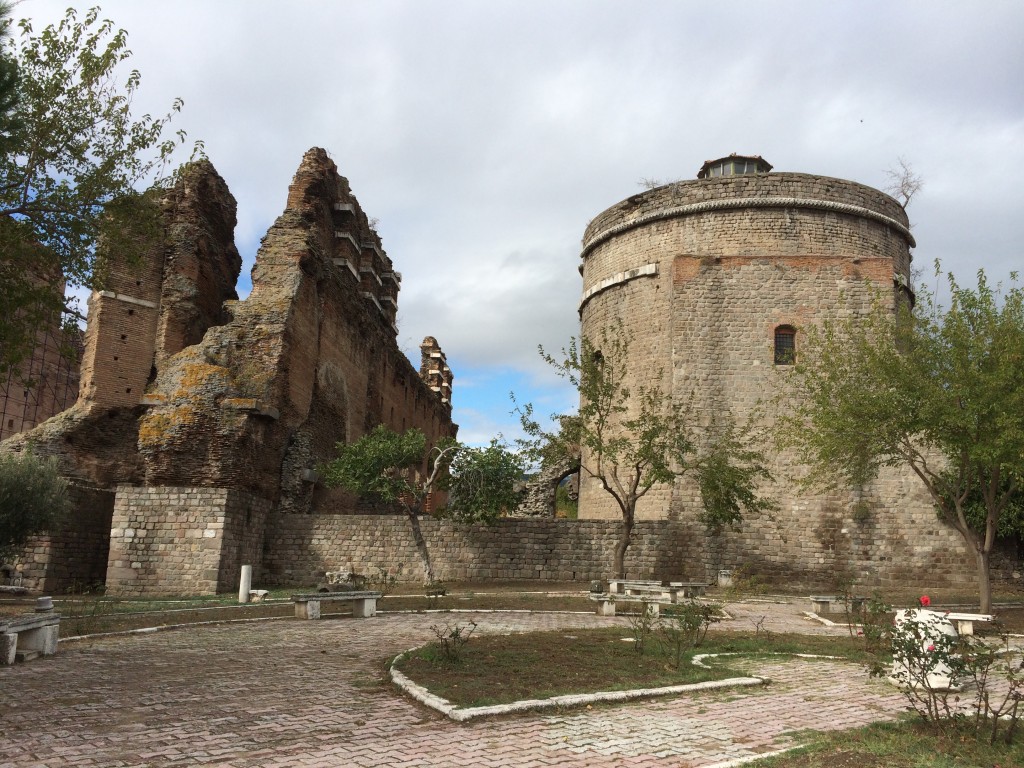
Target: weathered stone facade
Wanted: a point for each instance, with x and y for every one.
(205, 412)
(702, 274)
(183, 540)
(302, 547)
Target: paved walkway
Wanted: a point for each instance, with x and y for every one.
(309, 693)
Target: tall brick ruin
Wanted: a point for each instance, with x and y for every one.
(200, 414)
(46, 382)
(710, 277)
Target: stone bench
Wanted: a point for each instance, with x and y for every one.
(668, 590)
(364, 604)
(23, 638)
(606, 602)
(835, 604)
(964, 622)
(690, 588)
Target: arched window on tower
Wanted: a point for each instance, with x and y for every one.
(785, 345)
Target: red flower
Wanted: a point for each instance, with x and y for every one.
(925, 601)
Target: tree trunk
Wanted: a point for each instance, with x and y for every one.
(984, 581)
(421, 546)
(622, 545)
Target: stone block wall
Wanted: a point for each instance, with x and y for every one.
(74, 556)
(700, 274)
(184, 541)
(245, 519)
(300, 548)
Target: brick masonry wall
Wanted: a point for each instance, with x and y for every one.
(702, 326)
(308, 360)
(74, 556)
(44, 384)
(300, 548)
(174, 540)
(120, 339)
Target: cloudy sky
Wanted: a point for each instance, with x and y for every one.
(485, 134)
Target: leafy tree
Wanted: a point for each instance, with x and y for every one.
(402, 469)
(8, 79)
(33, 497)
(937, 388)
(632, 441)
(73, 162)
(482, 482)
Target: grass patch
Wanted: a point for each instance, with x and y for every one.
(906, 744)
(500, 669)
(111, 616)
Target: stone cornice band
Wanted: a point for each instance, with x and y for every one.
(747, 202)
(617, 279)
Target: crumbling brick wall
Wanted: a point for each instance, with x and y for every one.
(44, 384)
(307, 360)
(191, 266)
(185, 387)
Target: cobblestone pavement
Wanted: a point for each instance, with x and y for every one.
(309, 693)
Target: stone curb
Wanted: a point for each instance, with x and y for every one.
(162, 627)
(751, 758)
(452, 712)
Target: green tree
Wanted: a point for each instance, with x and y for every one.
(482, 483)
(402, 469)
(33, 497)
(8, 79)
(937, 388)
(73, 163)
(632, 441)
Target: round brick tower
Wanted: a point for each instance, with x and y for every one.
(716, 280)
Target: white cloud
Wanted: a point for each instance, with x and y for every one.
(484, 135)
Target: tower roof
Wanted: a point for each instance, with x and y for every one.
(733, 165)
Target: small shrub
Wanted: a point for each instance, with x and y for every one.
(744, 583)
(33, 498)
(385, 580)
(642, 623)
(434, 591)
(452, 639)
(86, 616)
(923, 656)
(684, 626)
(872, 622)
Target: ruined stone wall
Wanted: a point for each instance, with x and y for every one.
(701, 274)
(188, 269)
(184, 386)
(182, 541)
(120, 337)
(301, 548)
(307, 360)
